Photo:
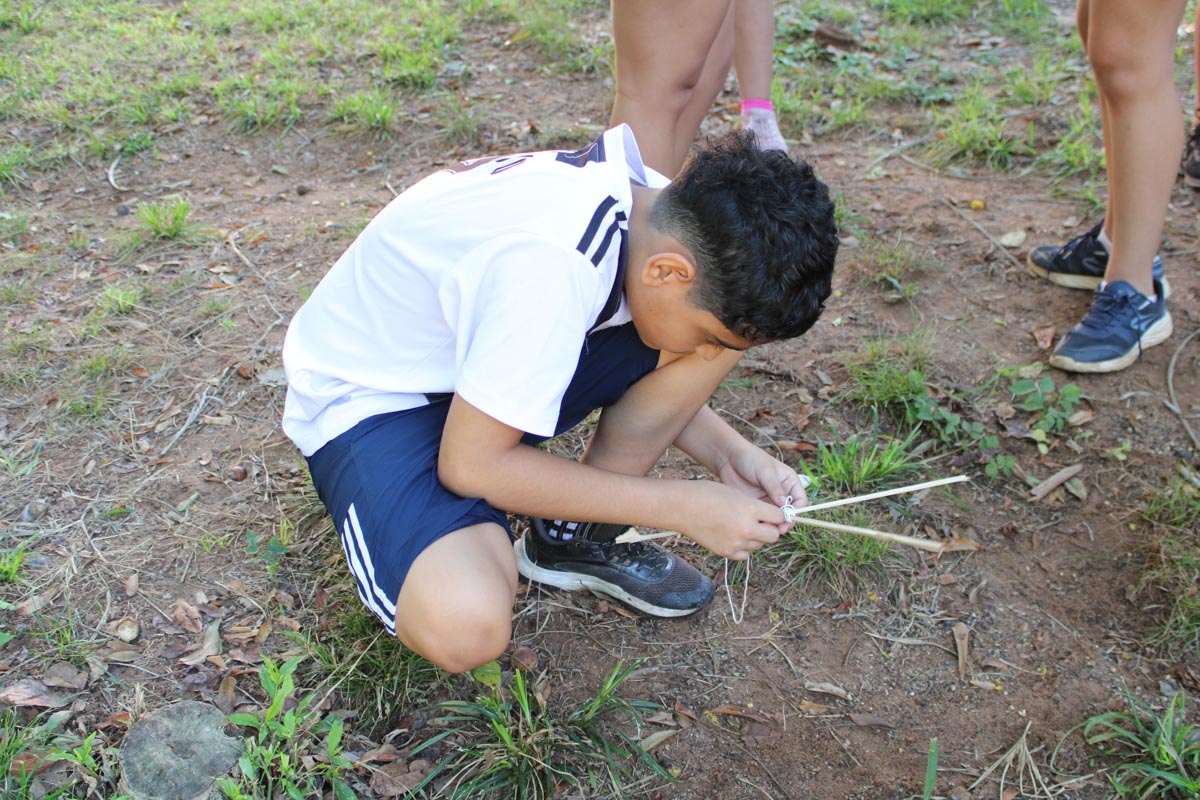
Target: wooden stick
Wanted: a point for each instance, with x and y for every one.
(923, 544)
(793, 517)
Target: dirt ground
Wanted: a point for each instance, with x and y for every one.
(816, 693)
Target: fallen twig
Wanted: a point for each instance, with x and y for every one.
(983, 230)
(1173, 404)
(1054, 481)
(112, 174)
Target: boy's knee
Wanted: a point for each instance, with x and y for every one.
(1122, 72)
(460, 638)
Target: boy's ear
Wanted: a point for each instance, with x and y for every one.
(668, 267)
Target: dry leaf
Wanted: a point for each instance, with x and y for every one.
(1044, 336)
(1054, 481)
(870, 721)
(732, 710)
(31, 692)
(398, 780)
(131, 585)
(64, 676)
(1005, 410)
(210, 645)
(385, 753)
(759, 733)
(127, 629)
(31, 605)
(652, 741)
(1077, 487)
(524, 658)
(956, 544)
(226, 695)
(188, 616)
(827, 688)
(1013, 239)
(26, 764)
(808, 707)
(1081, 417)
(962, 636)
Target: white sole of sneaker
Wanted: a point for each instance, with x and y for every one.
(574, 583)
(1078, 281)
(1158, 333)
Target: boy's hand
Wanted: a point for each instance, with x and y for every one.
(752, 471)
(727, 522)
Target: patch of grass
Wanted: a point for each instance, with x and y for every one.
(91, 406)
(372, 111)
(461, 122)
(10, 563)
(975, 129)
(1173, 571)
(553, 27)
(117, 300)
(1052, 406)
(1079, 150)
(279, 757)
(16, 291)
(892, 265)
(862, 464)
(1158, 753)
(13, 225)
(15, 163)
(890, 370)
(373, 673)
(22, 751)
(1036, 86)
(926, 12)
(168, 219)
(105, 364)
(20, 463)
(512, 743)
(843, 562)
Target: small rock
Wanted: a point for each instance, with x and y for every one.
(35, 511)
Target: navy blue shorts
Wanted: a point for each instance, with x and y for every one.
(379, 479)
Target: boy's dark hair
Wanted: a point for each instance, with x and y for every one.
(761, 229)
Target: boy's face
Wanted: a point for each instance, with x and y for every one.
(667, 320)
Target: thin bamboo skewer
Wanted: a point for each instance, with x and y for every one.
(916, 487)
(923, 544)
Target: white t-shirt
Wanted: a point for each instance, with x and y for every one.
(483, 279)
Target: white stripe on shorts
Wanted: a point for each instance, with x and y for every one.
(364, 571)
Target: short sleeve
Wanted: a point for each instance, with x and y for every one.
(521, 308)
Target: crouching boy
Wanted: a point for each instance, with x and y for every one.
(496, 304)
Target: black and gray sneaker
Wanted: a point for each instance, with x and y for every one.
(640, 574)
(1080, 263)
(1191, 159)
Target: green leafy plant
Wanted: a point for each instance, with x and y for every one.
(1159, 754)
(1053, 406)
(275, 762)
(508, 740)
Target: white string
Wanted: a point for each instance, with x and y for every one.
(739, 614)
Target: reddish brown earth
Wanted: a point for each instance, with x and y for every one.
(1049, 598)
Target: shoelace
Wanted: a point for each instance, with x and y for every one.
(1110, 311)
(635, 554)
(1068, 249)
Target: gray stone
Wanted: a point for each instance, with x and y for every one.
(177, 753)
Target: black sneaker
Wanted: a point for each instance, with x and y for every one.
(641, 574)
(1080, 263)
(1191, 159)
(1120, 324)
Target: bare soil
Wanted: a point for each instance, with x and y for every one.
(819, 692)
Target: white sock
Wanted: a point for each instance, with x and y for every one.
(1104, 240)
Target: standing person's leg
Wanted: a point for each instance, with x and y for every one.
(753, 59)
(1191, 153)
(664, 75)
(1130, 45)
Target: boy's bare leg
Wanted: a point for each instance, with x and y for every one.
(455, 607)
(1130, 45)
(663, 51)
